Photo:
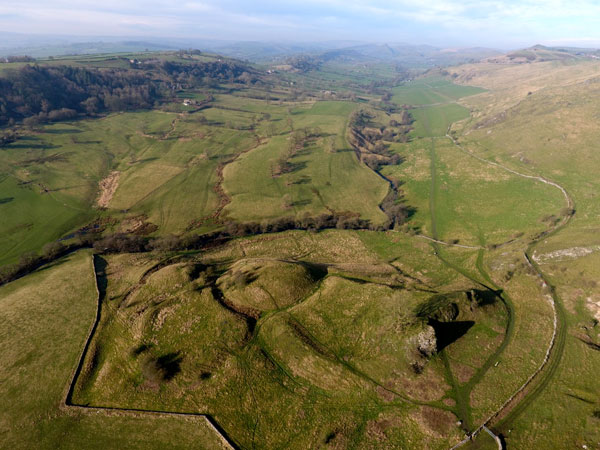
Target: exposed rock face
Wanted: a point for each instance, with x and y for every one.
(426, 342)
(108, 186)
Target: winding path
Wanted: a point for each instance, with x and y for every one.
(556, 345)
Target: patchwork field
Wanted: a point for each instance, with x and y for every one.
(318, 181)
(165, 169)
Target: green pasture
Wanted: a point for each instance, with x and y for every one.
(431, 90)
(319, 181)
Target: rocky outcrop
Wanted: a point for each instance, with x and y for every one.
(446, 313)
(426, 341)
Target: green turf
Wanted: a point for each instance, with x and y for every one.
(431, 90)
(433, 121)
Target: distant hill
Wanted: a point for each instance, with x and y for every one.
(44, 46)
(421, 56)
(540, 53)
(414, 56)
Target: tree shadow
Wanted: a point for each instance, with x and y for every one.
(36, 146)
(56, 263)
(296, 166)
(304, 179)
(29, 138)
(304, 151)
(140, 161)
(483, 297)
(89, 142)
(169, 365)
(301, 202)
(141, 349)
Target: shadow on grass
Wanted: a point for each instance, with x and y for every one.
(100, 264)
(38, 146)
(62, 131)
(58, 262)
(169, 365)
(447, 333)
(301, 202)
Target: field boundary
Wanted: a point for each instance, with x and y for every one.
(552, 298)
(68, 404)
(449, 244)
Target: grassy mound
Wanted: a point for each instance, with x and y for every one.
(264, 285)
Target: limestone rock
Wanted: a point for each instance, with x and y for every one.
(426, 341)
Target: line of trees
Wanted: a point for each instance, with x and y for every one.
(17, 58)
(367, 138)
(132, 243)
(297, 141)
(28, 262)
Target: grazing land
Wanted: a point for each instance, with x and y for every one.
(342, 256)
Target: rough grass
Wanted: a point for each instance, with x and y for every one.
(44, 320)
(268, 285)
(557, 142)
(322, 348)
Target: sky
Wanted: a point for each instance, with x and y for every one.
(501, 24)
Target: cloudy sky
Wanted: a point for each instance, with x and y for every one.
(496, 23)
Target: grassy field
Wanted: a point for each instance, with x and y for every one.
(38, 358)
(318, 182)
(118, 60)
(476, 204)
(167, 168)
(433, 121)
(452, 177)
(431, 90)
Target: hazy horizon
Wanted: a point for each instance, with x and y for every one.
(443, 23)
